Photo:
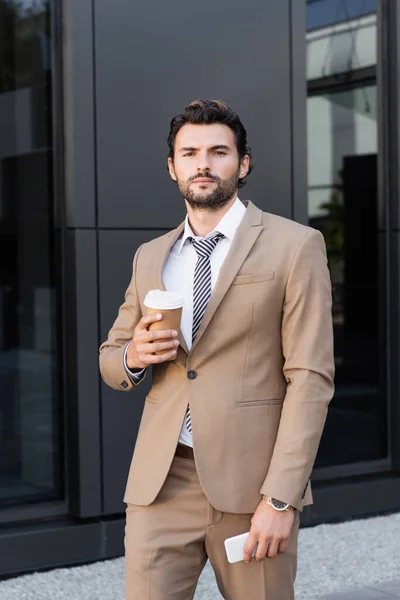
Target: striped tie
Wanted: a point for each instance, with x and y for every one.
(201, 288)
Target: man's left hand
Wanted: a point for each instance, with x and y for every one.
(271, 529)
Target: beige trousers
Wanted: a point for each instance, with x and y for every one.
(167, 545)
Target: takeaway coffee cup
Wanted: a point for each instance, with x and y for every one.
(170, 305)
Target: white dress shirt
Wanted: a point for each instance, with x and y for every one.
(178, 276)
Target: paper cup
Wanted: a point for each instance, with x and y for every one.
(170, 305)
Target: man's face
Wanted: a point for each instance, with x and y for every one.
(206, 165)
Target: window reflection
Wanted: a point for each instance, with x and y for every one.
(29, 375)
(321, 13)
(343, 205)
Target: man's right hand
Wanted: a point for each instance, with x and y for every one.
(140, 353)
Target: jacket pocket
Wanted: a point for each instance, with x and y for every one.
(253, 278)
(267, 402)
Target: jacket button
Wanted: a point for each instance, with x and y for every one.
(192, 375)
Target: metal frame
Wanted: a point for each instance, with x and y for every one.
(31, 512)
(326, 474)
(59, 543)
(352, 499)
(298, 92)
(342, 83)
(389, 97)
(59, 220)
(82, 391)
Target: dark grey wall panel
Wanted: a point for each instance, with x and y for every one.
(121, 412)
(79, 131)
(154, 57)
(82, 375)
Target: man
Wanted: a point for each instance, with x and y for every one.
(233, 420)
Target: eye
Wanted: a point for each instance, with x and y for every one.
(188, 154)
(220, 152)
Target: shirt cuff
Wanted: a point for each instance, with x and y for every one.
(134, 377)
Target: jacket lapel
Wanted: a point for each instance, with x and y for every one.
(163, 251)
(245, 238)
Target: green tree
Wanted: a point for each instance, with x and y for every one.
(333, 228)
(21, 54)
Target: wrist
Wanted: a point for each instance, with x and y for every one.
(134, 368)
(129, 364)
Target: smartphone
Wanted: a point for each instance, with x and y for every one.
(234, 547)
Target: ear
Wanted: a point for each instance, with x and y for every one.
(244, 166)
(171, 168)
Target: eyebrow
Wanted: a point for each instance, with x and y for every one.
(216, 147)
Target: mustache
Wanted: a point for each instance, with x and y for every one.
(204, 176)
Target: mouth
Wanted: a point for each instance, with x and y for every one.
(204, 181)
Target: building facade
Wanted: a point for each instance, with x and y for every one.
(87, 91)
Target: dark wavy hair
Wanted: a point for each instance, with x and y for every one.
(207, 112)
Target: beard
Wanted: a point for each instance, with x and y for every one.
(212, 201)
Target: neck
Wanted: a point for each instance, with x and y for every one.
(204, 221)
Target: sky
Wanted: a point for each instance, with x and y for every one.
(321, 13)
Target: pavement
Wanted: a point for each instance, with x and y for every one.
(357, 560)
(385, 591)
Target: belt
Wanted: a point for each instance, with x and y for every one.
(184, 451)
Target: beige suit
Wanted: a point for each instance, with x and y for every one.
(264, 363)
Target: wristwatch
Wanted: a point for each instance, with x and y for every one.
(277, 504)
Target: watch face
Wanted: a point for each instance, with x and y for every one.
(279, 505)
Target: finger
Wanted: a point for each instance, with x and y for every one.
(148, 320)
(273, 548)
(158, 334)
(262, 550)
(249, 547)
(154, 359)
(156, 347)
(145, 336)
(283, 546)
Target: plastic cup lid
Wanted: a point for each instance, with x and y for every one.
(163, 300)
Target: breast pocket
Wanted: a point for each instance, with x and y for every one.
(253, 278)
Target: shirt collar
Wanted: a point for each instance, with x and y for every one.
(227, 225)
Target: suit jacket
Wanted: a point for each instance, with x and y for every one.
(264, 362)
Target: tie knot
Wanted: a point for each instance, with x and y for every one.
(205, 246)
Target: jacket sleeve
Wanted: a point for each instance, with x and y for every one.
(307, 346)
(137, 376)
(111, 360)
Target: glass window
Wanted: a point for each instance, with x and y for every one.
(343, 205)
(30, 438)
(344, 50)
(322, 13)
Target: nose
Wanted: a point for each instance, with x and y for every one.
(203, 162)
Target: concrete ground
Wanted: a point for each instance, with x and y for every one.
(358, 560)
(386, 591)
